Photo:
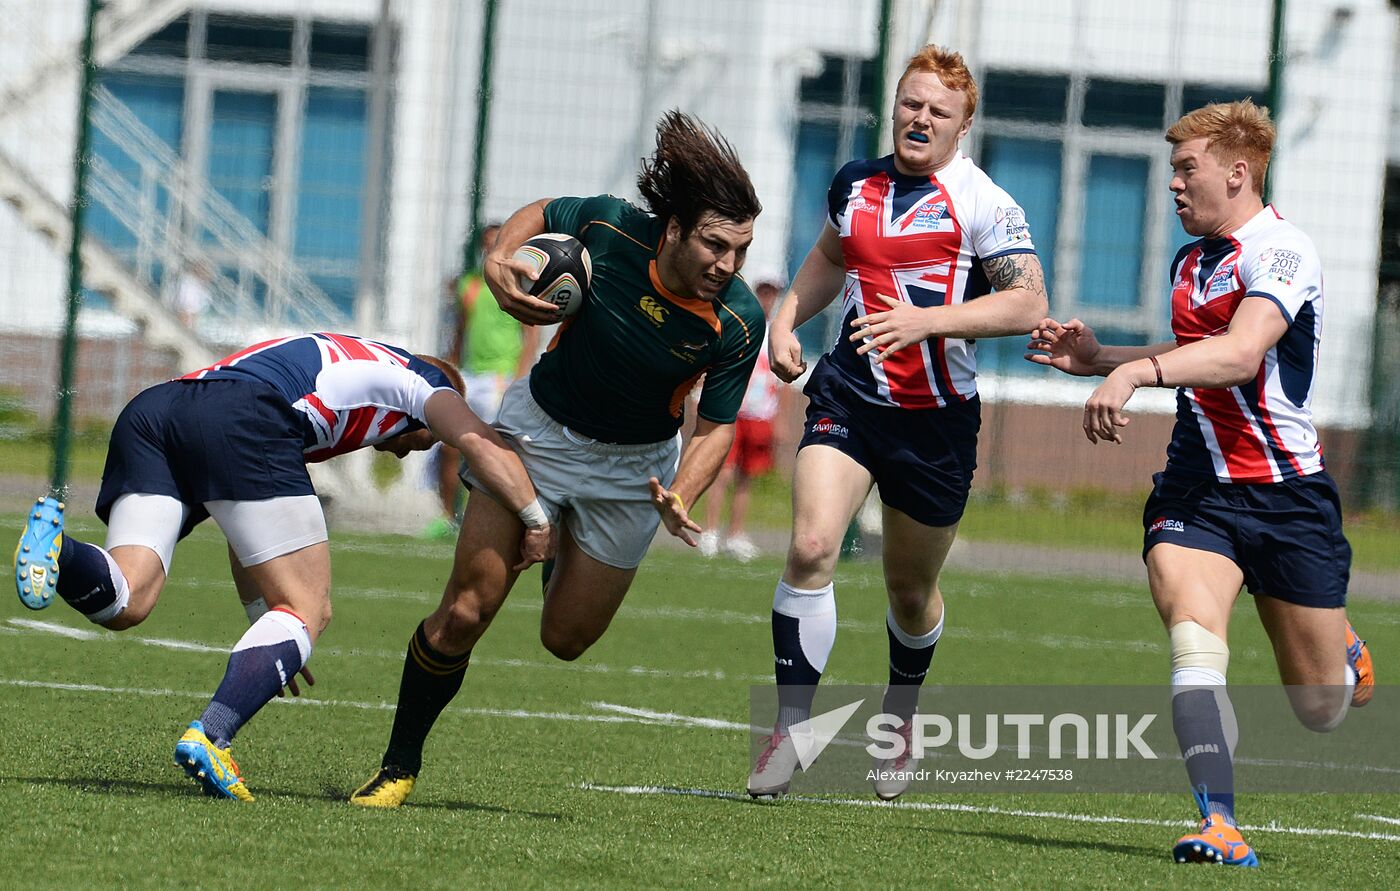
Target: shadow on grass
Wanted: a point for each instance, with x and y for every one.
(106, 786)
(1031, 841)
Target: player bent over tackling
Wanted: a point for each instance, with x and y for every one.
(232, 441)
(1244, 499)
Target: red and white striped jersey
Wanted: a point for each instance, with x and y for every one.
(922, 240)
(351, 392)
(1261, 431)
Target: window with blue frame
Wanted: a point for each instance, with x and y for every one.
(1116, 126)
(1029, 170)
(1115, 203)
(329, 202)
(833, 128)
(240, 125)
(158, 102)
(242, 133)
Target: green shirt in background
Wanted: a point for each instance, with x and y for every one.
(493, 337)
(620, 370)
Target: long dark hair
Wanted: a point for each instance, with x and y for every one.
(693, 170)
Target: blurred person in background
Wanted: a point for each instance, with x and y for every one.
(752, 453)
(492, 350)
(193, 296)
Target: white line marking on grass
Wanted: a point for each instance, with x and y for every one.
(646, 717)
(670, 717)
(54, 628)
(653, 719)
(978, 809)
(183, 645)
(738, 617)
(703, 674)
(1379, 819)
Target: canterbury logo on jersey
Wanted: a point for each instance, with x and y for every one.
(652, 310)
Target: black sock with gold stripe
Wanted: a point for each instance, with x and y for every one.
(429, 682)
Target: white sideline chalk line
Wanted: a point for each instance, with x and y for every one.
(681, 721)
(1379, 819)
(595, 668)
(704, 674)
(668, 719)
(979, 809)
(672, 717)
(734, 617)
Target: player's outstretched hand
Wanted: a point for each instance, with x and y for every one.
(673, 513)
(785, 355)
(537, 546)
(893, 329)
(292, 683)
(1071, 347)
(502, 272)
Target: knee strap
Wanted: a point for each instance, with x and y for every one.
(1195, 647)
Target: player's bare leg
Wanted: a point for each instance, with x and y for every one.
(710, 540)
(488, 545)
(828, 488)
(449, 490)
(913, 558)
(1310, 647)
(1194, 591)
(145, 578)
(116, 586)
(737, 543)
(296, 588)
(583, 596)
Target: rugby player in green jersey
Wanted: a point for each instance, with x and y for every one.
(596, 422)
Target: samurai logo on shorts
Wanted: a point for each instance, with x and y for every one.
(1163, 524)
(831, 428)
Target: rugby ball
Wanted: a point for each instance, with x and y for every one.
(564, 268)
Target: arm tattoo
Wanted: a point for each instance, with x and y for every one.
(1015, 271)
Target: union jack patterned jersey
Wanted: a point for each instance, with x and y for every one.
(922, 240)
(351, 392)
(1261, 431)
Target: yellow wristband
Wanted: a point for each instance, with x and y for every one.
(680, 501)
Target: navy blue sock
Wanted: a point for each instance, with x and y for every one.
(264, 659)
(797, 679)
(909, 665)
(1200, 733)
(85, 577)
(430, 680)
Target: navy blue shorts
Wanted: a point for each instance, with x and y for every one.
(922, 459)
(200, 441)
(1286, 537)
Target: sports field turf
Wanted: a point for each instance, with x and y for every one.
(552, 774)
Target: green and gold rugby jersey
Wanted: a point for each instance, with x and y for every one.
(619, 371)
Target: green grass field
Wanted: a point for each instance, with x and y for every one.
(534, 776)
(1088, 520)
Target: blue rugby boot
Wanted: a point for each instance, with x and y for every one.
(209, 765)
(36, 555)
